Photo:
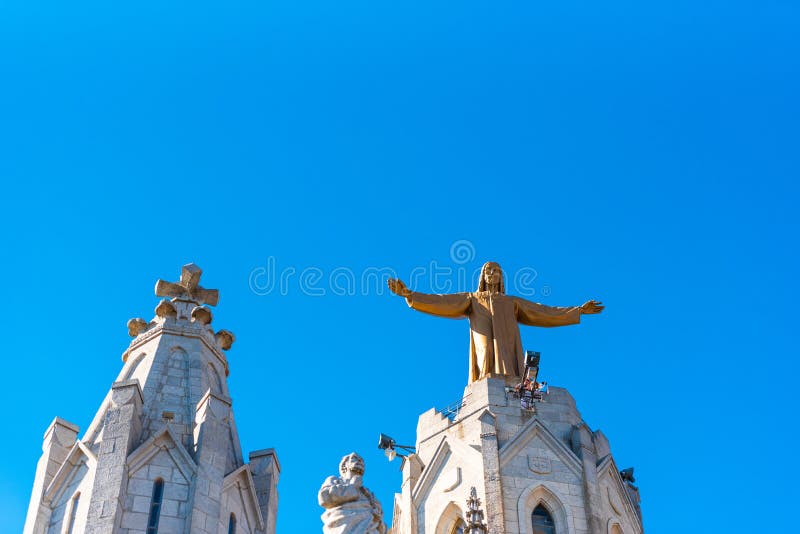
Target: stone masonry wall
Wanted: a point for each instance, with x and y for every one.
(517, 459)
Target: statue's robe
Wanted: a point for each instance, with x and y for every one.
(494, 318)
(349, 509)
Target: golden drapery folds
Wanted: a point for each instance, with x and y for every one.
(494, 318)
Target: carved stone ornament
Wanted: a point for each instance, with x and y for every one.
(136, 326)
(474, 514)
(225, 339)
(166, 309)
(350, 508)
(127, 392)
(539, 465)
(202, 315)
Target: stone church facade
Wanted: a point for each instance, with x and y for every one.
(162, 454)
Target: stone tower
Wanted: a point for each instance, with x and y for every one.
(162, 454)
(537, 468)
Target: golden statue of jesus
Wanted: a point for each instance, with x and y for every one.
(494, 318)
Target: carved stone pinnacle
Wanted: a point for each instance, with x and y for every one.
(136, 326)
(166, 309)
(225, 338)
(202, 314)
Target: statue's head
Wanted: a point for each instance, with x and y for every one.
(352, 464)
(491, 278)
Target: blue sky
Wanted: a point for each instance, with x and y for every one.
(645, 154)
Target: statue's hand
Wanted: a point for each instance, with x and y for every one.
(398, 287)
(592, 306)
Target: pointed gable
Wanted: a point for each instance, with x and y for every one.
(78, 456)
(163, 441)
(535, 430)
(239, 494)
(435, 470)
(614, 492)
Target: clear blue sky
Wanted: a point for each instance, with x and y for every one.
(645, 154)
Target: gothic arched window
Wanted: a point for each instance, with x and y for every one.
(232, 525)
(458, 527)
(542, 521)
(155, 506)
(134, 365)
(73, 510)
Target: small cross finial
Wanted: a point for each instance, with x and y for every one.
(188, 287)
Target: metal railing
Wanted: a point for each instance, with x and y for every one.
(452, 410)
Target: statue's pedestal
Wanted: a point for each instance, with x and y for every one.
(517, 459)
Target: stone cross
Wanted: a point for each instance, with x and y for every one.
(187, 287)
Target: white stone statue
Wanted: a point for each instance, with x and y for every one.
(350, 508)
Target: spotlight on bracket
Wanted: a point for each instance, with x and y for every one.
(532, 358)
(388, 445)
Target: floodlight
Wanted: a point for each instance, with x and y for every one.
(627, 475)
(385, 442)
(532, 358)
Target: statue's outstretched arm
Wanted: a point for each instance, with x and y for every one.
(535, 314)
(453, 306)
(592, 306)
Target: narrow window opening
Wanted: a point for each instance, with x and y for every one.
(155, 506)
(542, 521)
(232, 525)
(73, 511)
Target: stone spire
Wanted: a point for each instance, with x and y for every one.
(168, 420)
(475, 523)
